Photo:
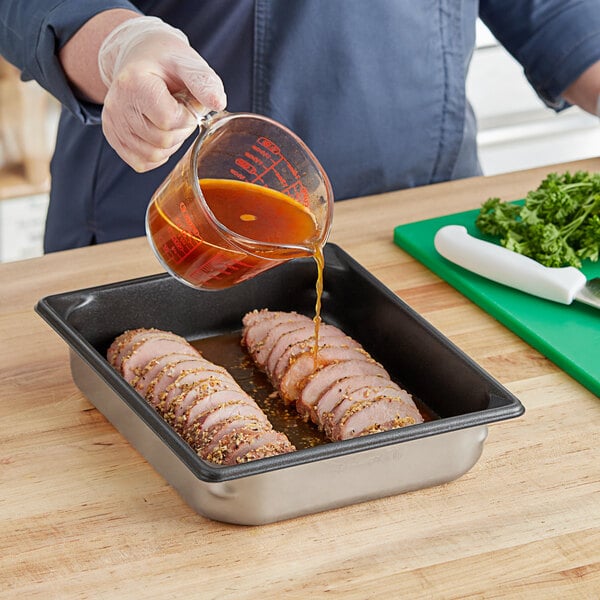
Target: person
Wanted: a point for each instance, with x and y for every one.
(376, 89)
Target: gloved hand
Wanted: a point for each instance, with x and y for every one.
(143, 62)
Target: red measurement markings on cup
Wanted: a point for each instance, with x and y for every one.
(183, 239)
(219, 266)
(265, 165)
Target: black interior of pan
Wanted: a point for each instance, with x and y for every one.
(415, 354)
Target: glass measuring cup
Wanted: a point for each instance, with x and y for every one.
(247, 196)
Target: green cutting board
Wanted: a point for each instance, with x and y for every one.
(568, 335)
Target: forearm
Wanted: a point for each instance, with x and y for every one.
(585, 91)
(79, 56)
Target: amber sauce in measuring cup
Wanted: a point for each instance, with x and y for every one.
(256, 212)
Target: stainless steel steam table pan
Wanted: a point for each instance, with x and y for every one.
(459, 398)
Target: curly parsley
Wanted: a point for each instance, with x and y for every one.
(558, 225)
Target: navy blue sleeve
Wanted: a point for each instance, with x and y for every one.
(32, 33)
(554, 40)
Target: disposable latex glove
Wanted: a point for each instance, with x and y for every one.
(143, 62)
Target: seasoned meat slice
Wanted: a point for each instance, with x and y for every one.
(262, 343)
(266, 450)
(176, 394)
(201, 403)
(156, 365)
(261, 324)
(371, 416)
(256, 316)
(270, 443)
(342, 388)
(206, 394)
(322, 379)
(193, 430)
(239, 446)
(234, 442)
(305, 364)
(127, 343)
(211, 437)
(363, 396)
(121, 344)
(160, 385)
(146, 350)
(299, 341)
(202, 399)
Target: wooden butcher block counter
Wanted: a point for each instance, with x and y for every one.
(83, 515)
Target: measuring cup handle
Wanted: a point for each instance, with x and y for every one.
(194, 106)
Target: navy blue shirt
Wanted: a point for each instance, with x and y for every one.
(376, 89)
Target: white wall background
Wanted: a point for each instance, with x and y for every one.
(516, 130)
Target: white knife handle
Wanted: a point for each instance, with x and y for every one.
(507, 267)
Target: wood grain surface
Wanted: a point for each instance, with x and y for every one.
(82, 515)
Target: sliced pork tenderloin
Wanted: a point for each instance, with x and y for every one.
(200, 400)
(338, 386)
